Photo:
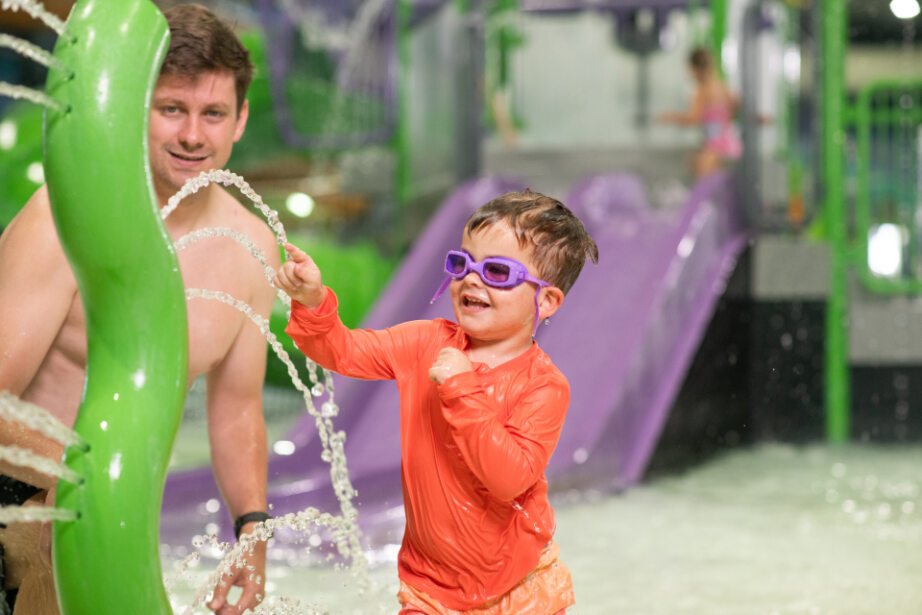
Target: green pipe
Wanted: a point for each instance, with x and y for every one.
(505, 41)
(107, 562)
(833, 29)
(403, 166)
(718, 31)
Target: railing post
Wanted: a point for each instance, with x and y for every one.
(833, 28)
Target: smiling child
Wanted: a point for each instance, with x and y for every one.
(481, 408)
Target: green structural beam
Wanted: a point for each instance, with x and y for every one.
(718, 31)
(833, 37)
(96, 163)
(403, 167)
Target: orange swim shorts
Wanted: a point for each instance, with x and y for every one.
(547, 590)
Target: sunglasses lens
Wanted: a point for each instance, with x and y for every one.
(455, 264)
(496, 272)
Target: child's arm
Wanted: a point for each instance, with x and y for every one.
(507, 454)
(319, 333)
(690, 117)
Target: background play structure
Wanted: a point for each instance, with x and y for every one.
(774, 301)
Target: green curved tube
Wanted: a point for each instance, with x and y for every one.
(96, 162)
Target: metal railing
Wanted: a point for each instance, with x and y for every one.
(888, 204)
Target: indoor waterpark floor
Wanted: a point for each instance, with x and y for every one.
(771, 530)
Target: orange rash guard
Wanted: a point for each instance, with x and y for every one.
(473, 449)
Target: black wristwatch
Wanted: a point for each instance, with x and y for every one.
(249, 517)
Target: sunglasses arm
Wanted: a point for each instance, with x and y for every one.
(441, 289)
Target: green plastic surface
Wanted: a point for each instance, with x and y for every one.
(98, 174)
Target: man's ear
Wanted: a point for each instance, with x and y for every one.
(242, 120)
(549, 300)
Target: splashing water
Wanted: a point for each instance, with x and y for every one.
(345, 533)
(217, 231)
(36, 10)
(332, 441)
(227, 178)
(23, 457)
(24, 93)
(23, 514)
(38, 419)
(33, 52)
(301, 521)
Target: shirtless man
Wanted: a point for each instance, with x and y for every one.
(198, 112)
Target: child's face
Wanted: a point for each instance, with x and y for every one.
(493, 314)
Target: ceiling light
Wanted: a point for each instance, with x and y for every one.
(905, 9)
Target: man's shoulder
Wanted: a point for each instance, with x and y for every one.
(34, 225)
(37, 209)
(241, 214)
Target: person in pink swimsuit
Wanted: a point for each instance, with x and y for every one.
(712, 107)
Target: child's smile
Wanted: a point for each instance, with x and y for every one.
(502, 318)
(473, 303)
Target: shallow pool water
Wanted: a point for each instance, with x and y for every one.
(771, 530)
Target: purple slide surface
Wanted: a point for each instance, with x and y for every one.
(624, 338)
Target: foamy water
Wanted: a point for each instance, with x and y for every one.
(772, 530)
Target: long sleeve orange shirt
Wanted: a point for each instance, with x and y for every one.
(474, 450)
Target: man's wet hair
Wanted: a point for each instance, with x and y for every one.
(200, 42)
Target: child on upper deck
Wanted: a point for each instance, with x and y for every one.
(481, 408)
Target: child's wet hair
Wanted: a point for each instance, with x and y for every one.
(560, 244)
(700, 59)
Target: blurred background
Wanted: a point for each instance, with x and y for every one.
(365, 116)
(775, 302)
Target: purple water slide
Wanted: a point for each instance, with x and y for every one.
(624, 338)
(629, 328)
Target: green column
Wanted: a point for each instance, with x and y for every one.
(833, 38)
(403, 166)
(107, 562)
(718, 31)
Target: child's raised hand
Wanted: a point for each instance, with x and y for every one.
(300, 278)
(449, 362)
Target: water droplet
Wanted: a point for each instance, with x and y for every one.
(329, 409)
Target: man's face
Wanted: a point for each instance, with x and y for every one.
(193, 127)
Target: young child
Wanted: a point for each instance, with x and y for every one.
(481, 408)
(713, 106)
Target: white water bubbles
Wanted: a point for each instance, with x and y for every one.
(38, 419)
(226, 178)
(24, 514)
(33, 52)
(35, 418)
(331, 440)
(883, 503)
(36, 10)
(344, 530)
(235, 557)
(22, 92)
(37, 54)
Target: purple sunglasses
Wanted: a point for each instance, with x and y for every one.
(495, 271)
